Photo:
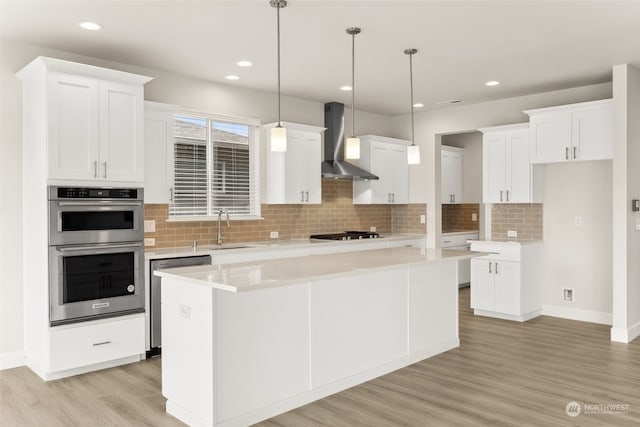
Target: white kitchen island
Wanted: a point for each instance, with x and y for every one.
(244, 342)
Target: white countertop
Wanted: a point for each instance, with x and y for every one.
(265, 245)
(246, 276)
(507, 242)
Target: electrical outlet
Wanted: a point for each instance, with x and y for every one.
(474, 217)
(149, 225)
(578, 221)
(512, 233)
(567, 294)
(149, 241)
(423, 219)
(273, 234)
(372, 229)
(185, 311)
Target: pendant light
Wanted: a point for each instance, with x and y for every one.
(413, 151)
(278, 133)
(352, 149)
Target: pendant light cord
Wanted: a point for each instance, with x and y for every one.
(411, 85)
(353, 84)
(278, 30)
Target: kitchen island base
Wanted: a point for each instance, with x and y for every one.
(236, 358)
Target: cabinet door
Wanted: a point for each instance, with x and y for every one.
(381, 193)
(158, 155)
(518, 174)
(399, 172)
(121, 132)
(506, 287)
(312, 170)
(482, 279)
(294, 166)
(73, 121)
(592, 134)
(451, 176)
(550, 137)
(495, 169)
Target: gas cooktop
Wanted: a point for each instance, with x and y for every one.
(347, 235)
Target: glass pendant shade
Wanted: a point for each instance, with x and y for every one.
(352, 150)
(278, 139)
(413, 154)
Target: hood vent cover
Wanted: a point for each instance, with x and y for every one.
(334, 166)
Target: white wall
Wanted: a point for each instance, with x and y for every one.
(471, 163)
(166, 87)
(626, 186)
(578, 257)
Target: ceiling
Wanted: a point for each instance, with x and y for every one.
(529, 46)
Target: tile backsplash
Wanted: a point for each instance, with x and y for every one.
(405, 219)
(336, 213)
(525, 218)
(459, 217)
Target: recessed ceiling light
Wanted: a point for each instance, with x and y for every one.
(244, 63)
(232, 77)
(418, 105)
(91, 26)
(492, 83)
(346, 88)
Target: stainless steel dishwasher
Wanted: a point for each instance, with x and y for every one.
(154, 296)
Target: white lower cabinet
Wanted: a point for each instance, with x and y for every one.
(83, 344)
(507, 282)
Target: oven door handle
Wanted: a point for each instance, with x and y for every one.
(105, 203)
(98, 247)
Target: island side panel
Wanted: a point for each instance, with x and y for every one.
(187, 351)
(357, 323)
(433, 309)
(262, 348)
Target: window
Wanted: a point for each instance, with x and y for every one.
(215, 167)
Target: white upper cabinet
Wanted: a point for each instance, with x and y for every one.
(572, 132)
(387, 159)
(158, 152)
(93, 127)
(508, 175)
(451, 176)
(293, 176)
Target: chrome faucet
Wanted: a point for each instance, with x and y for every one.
(220, 212)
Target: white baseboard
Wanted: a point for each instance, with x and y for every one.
(12, 359)
(625, 335)
(577, 314)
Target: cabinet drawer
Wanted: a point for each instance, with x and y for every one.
(457, 239)
(498, 252)
(96, 342)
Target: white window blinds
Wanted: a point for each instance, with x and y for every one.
(216, 167)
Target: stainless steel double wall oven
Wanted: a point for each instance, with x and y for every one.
(96, 253)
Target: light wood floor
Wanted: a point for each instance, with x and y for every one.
(503, 374)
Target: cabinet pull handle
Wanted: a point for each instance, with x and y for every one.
(95, 169)
(393, 197)
(171, 194)
(507, 195)
(566, 153)
(490, 268)
(104, 169)
(302, 196)
(496, 268)
(500, 195)
(574, 152)
(101, 343)
(306, 193)
(389, 197)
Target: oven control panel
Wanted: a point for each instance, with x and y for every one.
(94, 193)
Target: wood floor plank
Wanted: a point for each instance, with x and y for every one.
(503, 374)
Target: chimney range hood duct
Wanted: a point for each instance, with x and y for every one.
(334, 166)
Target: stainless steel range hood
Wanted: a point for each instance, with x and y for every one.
(334, 166)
